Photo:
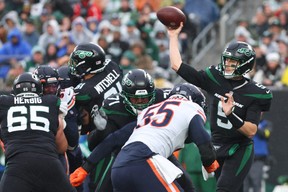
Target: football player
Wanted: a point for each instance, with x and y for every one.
(235, 109)
(60, 84)
(33, 136)
(100, 78)
(161, 129)
(138, 92)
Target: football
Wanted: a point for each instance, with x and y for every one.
(171, 16)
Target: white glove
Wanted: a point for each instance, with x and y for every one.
(63, 108)
(99, 118)
(67, 95)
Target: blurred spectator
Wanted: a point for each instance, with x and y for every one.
(51, 54)
(259, 23)
(3, 34)
(115, 22)
(15, 49)
(16, 70)
(38, 54)
(267, 44)
(51, 33)
(130, 33)
(205, 14)
(146, 18)
(283, 18)
(11, 21)
(102, 42)
(126, 62)
(3, 9)
(125, 12)
(273, 71)
(142, 59)
(61, 8)
(150, 46)
(282, 42)
(275, 28)
(104, 31)
(92, 24)
(63, 43)
(260, 57)
(41, 20)
(25, 12)
(255, 177)
(161, 40)
(242, 34)
(117, 47)
(87, 8)
(65, 24)
(30, 34)
(79, 32)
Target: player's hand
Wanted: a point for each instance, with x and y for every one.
(99, 118)
(67, 95)
(213, 167)
(228, 103)
(78, 177)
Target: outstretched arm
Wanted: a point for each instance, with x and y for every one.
(174, 52)
(115, 140)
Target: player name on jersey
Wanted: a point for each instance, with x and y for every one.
(22, 100)
(107, 81)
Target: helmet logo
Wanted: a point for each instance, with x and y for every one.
(246, 51)
(127, 82)
(82, 54)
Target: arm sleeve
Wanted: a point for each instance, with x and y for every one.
(115, 140)
(202, 139)
(190, 74)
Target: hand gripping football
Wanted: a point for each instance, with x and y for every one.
(171, 16)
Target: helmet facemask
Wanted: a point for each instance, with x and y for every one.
(140, 100)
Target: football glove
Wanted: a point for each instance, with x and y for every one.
(78, 177)
(67, 95)
(213, 167)
(99, 118)
(63, 108)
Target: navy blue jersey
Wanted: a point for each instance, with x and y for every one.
(251, 98)
(29, 124)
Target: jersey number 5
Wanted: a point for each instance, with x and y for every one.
(18, 118)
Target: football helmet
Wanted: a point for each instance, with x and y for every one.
(66, 79)
(27, 83)
(241, 52)
(49, 78)
(138, 90)
(86, 58)
(191, 92)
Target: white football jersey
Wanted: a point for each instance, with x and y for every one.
(163, 127)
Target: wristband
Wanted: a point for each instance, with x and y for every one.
(236, 121)
(87, 166)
